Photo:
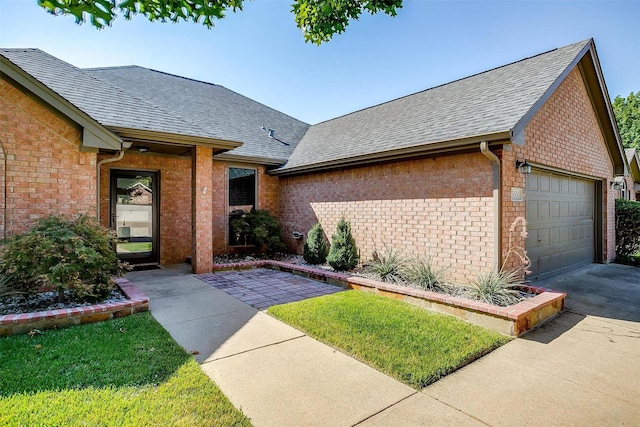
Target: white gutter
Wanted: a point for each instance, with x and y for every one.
(495, 162)
(100, 163)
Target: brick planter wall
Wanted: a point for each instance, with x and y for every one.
(514, 320)
(16, 324)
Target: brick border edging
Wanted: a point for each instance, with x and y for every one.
(520, 318)
(16, 324)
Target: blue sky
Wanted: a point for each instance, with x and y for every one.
(261, 54)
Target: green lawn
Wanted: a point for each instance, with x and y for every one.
(125, 372)
(134, 247)
(415, 346)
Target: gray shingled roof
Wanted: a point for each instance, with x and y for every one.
(486, 103)
(139, 98)
(105, 103)
(222, 113)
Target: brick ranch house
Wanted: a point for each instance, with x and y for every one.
(431, 173)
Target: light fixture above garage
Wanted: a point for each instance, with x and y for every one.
(523, 167)
(617, 183)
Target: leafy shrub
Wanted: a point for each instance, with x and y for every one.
(343, 254)
(259, 227)
(496, 287)
(65, 254)
(423, 274)
(628, 231)
(387, 265)
(315, 248)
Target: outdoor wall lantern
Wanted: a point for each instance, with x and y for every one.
(617, 183)
(523, 167)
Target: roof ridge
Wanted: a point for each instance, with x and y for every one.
(453, 81)
(199, 81)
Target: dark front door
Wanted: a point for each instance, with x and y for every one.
(134, 215)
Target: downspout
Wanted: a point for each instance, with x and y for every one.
(100, 163)
(4, 192)
(495, 163)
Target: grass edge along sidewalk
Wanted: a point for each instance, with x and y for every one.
(123, 372)
(411, 344)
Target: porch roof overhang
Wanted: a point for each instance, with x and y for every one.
(423, 150)
(94, 135)
(172, 139)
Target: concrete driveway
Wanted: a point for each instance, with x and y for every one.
(581, 369)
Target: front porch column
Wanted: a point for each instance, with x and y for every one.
(202, 210)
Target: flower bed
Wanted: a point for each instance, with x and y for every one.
(514, 320)
(15, 324)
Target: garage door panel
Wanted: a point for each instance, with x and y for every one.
(560, 216)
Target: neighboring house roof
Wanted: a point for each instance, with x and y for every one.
(214, 109)
(634, 165)
(494, 105)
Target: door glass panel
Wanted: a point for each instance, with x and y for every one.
(134, 214)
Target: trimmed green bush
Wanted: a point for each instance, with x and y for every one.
(259, 227)
(315, 248)
(343, 254)
(628, 231)
(65, 254)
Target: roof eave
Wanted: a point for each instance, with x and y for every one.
(432, 148)
(95, 135)
(591, 72)
(257, 160)
(144, 135)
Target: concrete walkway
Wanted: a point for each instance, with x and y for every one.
(578, 370)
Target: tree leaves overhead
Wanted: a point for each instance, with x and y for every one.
(627, 112)
(319, 20)
(101, 13)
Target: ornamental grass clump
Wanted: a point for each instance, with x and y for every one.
(74, 255)
(424, 275)
(315, 248)
(496, 287)
(387, 265)
(343, 254)
(499, 285)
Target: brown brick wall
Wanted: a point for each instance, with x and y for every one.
(175, 199)
(631, 192)
(440, 207)
(46, 171)
(564, 134)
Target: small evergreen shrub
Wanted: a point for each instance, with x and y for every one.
(424, 275)
(66, 254)
(343, 254)
(628, 231)
(387, 265)
(259, 227)
(315, 248)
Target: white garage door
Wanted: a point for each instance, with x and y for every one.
(560, 214)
